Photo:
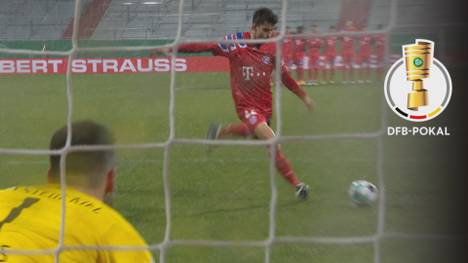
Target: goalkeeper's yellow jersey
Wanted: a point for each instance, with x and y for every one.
(30, 218)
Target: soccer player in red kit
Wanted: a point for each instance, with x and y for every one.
(314, 44)
(364, 58)
(287, 48)
(347, 52)
(330, 55)
(299, 44)
(251, 66)
(380, 40)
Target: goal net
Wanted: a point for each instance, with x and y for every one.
(198, 200)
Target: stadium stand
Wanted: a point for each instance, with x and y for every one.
(379, 14)
(210, 18)
(144, 19)
(35, 20)
(91, 15)
(151, 19)
(157, 19)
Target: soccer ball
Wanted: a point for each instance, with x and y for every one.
(363, 193)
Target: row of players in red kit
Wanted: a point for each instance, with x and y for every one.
(319, 56)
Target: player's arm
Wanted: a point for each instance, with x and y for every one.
(191, 48)
(197, 47)
(217, 49)
(292, 85)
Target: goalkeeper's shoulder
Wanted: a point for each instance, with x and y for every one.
(119, 232)
(109, 228)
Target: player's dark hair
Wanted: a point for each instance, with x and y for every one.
(300, 29)
(264, 15)
(92, 164)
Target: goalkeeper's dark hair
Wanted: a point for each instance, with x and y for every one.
(90, 165)
(264, 15)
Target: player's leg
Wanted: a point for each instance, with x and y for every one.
(258, 125)
(326, 70)
(312, 71)
(234, 129)
(331, 68)
(367, 72)
(346, 68)
(264, 132)
(299, 61)
(365, 67)
(353, 68)
(217, 131)
(379, 70)
(321, 70)
(361, 69)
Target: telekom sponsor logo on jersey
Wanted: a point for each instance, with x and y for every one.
(111, 65)
(248, 73)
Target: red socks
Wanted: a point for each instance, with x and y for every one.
(285, 169)
(300, 74)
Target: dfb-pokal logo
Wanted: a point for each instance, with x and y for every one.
(418, 86)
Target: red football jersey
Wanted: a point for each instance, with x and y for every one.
(315, 44)
(287, 47)
(365, 45)
(347, 44)
(251, 67)
(330, 46)
(299, 45)
(379, 44)
(251, 70)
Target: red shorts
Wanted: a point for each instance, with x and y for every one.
(314, 53)
(364, 58)
(299, 60)
(330, 57)
(287, 59)
(380, 59)
(313, 60)
(380, 52)
(253, 117)
(348, 58)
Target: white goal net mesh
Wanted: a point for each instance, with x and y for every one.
(273, 238)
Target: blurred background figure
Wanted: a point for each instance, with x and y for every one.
(314, 43)
(287, 48)
(363, 57)
(379, 51)
(330, 56)
(299, 54)
(348, 53)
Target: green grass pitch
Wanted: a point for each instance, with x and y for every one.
(225, 195)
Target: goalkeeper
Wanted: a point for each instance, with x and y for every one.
(251, 68)
(31, 216)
